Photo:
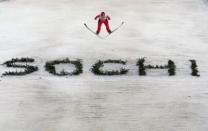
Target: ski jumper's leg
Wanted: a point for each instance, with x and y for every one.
(107, 26)
(99, 27)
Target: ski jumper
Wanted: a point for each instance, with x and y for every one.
(103, 19)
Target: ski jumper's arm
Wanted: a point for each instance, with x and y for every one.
(108, 17)
(97, 17)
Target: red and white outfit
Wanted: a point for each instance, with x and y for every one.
(103, 19)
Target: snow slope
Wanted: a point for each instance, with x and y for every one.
(158, 30)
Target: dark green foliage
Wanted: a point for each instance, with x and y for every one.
(140, 63)
(50, 67)
(96, 68)
(194, 68)
(171, 67)
(12, 63)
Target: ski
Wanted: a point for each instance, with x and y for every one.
(118, 27)
(92, 31)
(114, 30)
(108, 34)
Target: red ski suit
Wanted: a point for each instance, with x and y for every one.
(102, 19)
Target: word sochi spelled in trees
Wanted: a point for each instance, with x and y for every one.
(50, 67)
(23, 66)
(170, 66)
(97, 71)
(27, 68)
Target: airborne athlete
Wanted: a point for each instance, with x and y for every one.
(103, 19)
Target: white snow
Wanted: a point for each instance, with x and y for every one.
(156, 29)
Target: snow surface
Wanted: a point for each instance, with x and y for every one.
(156, 29)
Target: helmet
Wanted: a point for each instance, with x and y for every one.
(102, 13)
